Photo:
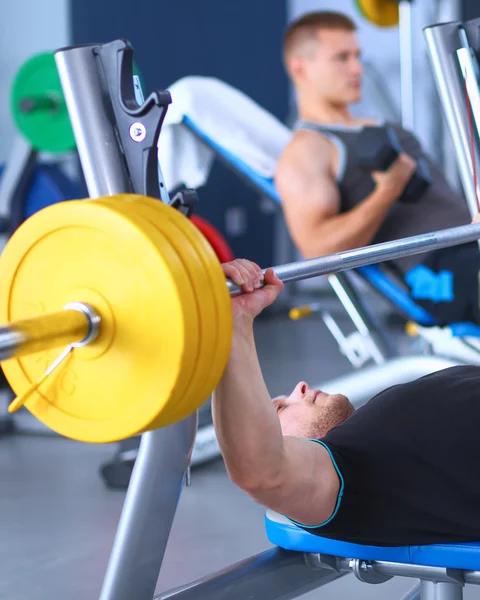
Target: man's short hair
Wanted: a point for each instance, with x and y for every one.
(306, 27)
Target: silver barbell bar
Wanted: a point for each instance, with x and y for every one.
(368, 255)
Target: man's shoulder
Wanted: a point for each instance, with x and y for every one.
(305, 147)
(308, 138)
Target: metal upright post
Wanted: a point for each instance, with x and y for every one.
(441, 590)
(406, 64)
(148, 512)
(443, 43)
(380, 347)
(92, 121)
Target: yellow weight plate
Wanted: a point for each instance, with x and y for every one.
(222, 299)
(120, 384)
(218, 286)
(206, 297)
(198, 390)
(202, 339)
(383, 13)
(193, 235)
(210, 326)
(199, 387)
(123, 204)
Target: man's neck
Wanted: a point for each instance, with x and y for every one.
(326, 113)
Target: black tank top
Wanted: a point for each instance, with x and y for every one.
(409, 462)
(440, 207)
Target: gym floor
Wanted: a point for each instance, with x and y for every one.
(58, 520)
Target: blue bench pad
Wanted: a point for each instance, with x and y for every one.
(284, 534)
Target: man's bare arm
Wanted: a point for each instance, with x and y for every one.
(311, 200)
(292, 476)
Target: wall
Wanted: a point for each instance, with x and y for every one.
(26, 27)
(470, 9)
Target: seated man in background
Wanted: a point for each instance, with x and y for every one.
(401, 470)
(331, 204)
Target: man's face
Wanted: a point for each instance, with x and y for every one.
(330, 68)
(309, 413)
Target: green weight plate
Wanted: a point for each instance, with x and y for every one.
(38, 105)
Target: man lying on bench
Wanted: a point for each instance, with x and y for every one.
(336, 197)
(401, 470)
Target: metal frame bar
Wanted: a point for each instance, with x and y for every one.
(148, 512)
(432, 590)
(446, 11)
(364, 569)
(406, 64)
(346, 343)
(469, 66)
(415, 593)
(91, 116)
(380, 347)
(443, 43)
(271, 575)
(283, 575)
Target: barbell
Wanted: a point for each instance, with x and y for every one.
(119, 315)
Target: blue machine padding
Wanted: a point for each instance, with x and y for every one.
(49, 186)
(465, 329)
(425, 284)
(456, 556)
(372, 273)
